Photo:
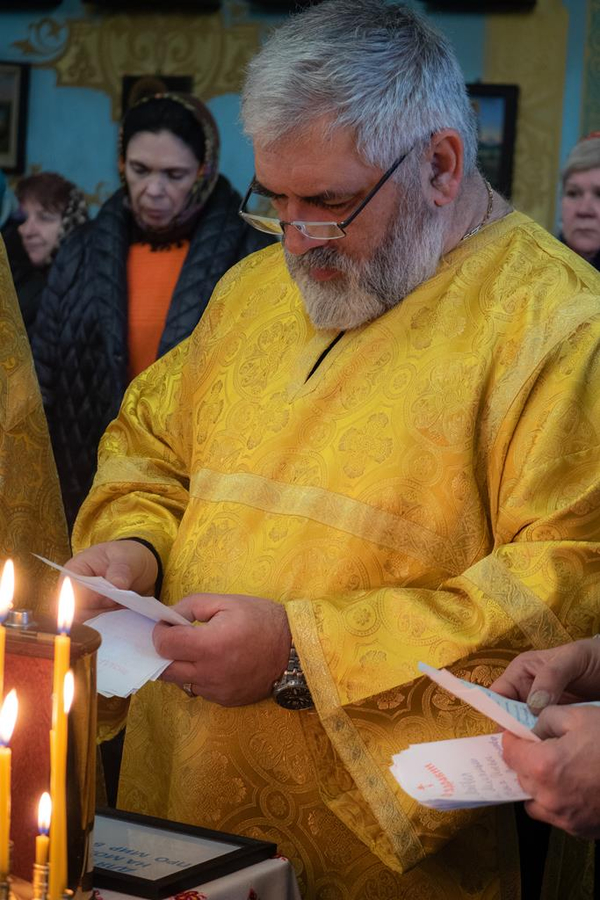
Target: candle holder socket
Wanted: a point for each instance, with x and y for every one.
(40, 881)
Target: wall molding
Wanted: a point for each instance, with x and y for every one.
(95, 52)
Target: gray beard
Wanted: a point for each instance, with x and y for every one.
(407, 257)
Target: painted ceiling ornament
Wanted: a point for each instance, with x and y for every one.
(96, 52)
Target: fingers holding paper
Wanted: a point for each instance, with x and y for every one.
(560, 675)
(126, 564)
(560, 772)
(237, 652)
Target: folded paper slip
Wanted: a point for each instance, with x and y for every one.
(457, 774)
(126, 657)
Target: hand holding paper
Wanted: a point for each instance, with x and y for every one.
(126, 658)
(466, 772)
(128, 564)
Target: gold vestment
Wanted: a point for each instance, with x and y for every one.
(31, 511)
(429, 492)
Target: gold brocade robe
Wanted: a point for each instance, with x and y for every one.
(430, 493)
(31, 511)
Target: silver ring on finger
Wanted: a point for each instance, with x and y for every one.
(189, 690)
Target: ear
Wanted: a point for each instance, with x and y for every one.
(445, 166)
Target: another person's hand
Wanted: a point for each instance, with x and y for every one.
(561, 772)
(564, 674)
(128, 565)
(235, 655)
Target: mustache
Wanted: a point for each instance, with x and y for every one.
(320, 257)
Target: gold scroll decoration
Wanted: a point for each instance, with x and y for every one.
(530, 49)
(96, 52)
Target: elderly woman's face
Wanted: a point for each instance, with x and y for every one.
(39, 232)
(160, 170)
(581, 212)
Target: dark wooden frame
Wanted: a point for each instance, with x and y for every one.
(500, 175)
(21, 5)
(246, 852)
(481, 6)
(175, 84)
(13, 160)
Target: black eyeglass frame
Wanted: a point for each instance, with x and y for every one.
(299, 225)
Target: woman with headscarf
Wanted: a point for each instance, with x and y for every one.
(134, 282)
(50, 208)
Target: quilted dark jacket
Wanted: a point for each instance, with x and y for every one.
(80, 339)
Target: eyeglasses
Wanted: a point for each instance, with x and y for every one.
(317, 231)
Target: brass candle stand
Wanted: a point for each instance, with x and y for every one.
(18, 889)
(40, 881)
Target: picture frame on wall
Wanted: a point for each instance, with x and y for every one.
(481, 6)
(14, 95)
(495, 107)
(155, 858)
(135, 87)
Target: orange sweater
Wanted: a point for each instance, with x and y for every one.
(151, 279)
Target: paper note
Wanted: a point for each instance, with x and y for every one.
(146, 606)
(457, 774)
(510, 714)
(126, 657)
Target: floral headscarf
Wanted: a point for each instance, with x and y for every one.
(207, 175)
(57, 194)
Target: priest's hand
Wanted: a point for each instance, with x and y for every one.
(561, 772)
(128, 565)
(564, 674)
(235, 655)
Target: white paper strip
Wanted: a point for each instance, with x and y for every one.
(146, 606)
(510, 714)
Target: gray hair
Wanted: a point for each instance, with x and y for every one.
(381, 69)
(584, 156)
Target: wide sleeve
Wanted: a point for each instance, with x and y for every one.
(31, 513)
(539, 586)
(142, 483)
(141, 486)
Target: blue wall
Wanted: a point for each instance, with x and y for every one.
(70, 129)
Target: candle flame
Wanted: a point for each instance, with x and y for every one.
(8, 717)
(44, 813)
(68, 691)
(7, 588)
(66, 607)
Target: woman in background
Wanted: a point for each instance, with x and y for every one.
(581, 199)
(50, 208)
(134, 282)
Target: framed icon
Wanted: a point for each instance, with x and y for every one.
(155, 858)
(136, 87)
(495, 107)
(14, 91)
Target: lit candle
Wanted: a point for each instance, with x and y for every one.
(42, 840)
(62, 644)
(58, 745)
(8, 717)
(7, 588)
(59, 831)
